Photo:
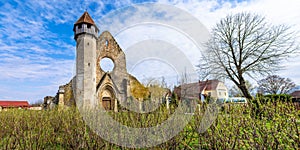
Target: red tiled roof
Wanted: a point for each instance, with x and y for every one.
(205, 85)
(14, 104)
(210, 84)
(85, 18)
(296, 94)
(198, 86)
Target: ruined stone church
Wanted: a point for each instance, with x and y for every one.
(91, 79)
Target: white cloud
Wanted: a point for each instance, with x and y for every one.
(35, 58)
(36, 53)
(209, 12)
(30, 52)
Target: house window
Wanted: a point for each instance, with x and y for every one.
(225, 93)
(220, 93)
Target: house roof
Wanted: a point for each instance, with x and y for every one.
(198, 87)
(209, 85)
(14, 103)
(85, 18)
(206, 85)
(296, 94)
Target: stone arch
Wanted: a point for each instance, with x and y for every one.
(107, 97)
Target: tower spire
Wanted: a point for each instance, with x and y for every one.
(85, 18)
(85, 24)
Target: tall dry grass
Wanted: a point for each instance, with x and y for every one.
(277, 127)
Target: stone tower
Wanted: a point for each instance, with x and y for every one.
(85, 34)
(93, 86)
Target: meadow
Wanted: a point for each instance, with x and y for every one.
(274, 125)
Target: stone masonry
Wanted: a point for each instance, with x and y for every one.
(107, 87)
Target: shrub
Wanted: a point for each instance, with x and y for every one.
(276, 98)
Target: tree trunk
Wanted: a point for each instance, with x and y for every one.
(254, 105)
(244, 89)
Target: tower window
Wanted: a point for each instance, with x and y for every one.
(106, 42)
(89, 26)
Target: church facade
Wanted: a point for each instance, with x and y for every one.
(92, 86)
(91, 79)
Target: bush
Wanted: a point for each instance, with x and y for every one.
(276, 98)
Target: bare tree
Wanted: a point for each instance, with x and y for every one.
(275, 84)
(236, 92)
(245, 45)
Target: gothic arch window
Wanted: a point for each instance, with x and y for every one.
(106, 43)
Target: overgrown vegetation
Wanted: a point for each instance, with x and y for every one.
(138, 90)
(277, 127)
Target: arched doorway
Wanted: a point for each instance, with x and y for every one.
(107, 98)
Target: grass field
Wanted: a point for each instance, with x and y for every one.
(273, 126)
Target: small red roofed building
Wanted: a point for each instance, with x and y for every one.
(6, 104)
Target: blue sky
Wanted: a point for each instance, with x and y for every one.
(37, 49)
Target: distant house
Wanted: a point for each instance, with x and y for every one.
(13, 104)
(211, 88)
(295, 96)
